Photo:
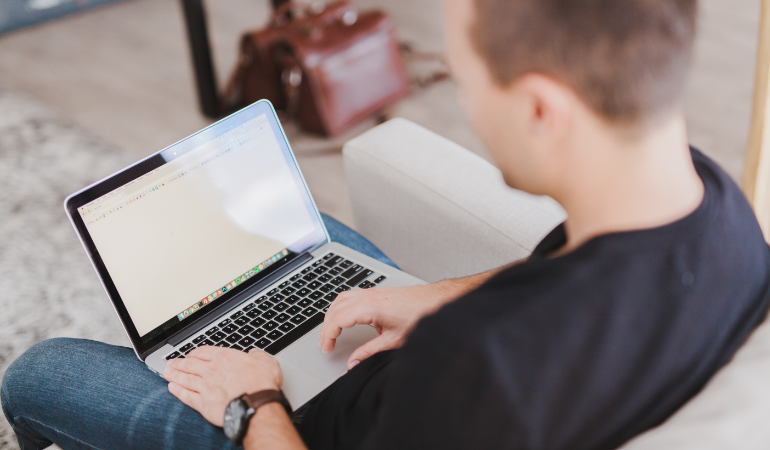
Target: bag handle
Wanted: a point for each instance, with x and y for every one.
(288, 12)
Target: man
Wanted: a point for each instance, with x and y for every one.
(618, 318)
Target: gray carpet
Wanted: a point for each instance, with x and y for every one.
(48, 287)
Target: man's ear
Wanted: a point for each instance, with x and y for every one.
(549, 109)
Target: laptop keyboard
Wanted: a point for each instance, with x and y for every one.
(288, 311)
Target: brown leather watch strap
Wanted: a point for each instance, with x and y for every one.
(261, 398)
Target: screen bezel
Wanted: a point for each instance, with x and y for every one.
(170, 153)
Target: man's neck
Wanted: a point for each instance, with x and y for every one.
(620, 184)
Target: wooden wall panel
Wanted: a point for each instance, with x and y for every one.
(756, 176)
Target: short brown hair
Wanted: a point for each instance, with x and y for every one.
(627, 59)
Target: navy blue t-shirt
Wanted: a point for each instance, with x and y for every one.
(580, 351)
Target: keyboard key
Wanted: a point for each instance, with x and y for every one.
(309, 311)
(273, 292)
(258, 322)
(320, 304)
(241, 321)
(361, 276)
(352, 271)
(199, 339)
(318, 263)
(186, 348)
(172, 356)
(207, 342)
(224, 344)
(270, 326)
(303, 292)
(315, 295)
(333, 261)
(212, 331)
(249, 307)
(269, 314)
(296, 277)
(299, 284)
(281, 307)
(326, 288)
(342, 288)
(307, 269)
(336, 271)
(278, 298)
(275, 334)
(314, 285)
(366, 285)
(380, 279)
(218, 336)
(284, 284)
(246, 329)
(304, 303)
(331, 296)
(233, 338)
(247, 341)
(330, 255)
(254, 313)
(310, 277)
(224, 323)
(236, 347)
(188, 351)
(260, 300)
(281, 318)
(259, 333)
(321, 269)
(345, 264)
(262, 343)
(286, 327)
(325, 277)
(293, 310)
(230, 328)
(298, 319)
(264, 306)
(288, 291)
(337, 281)
(291, 299)
(236, 315)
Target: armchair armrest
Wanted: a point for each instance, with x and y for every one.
(436, 209)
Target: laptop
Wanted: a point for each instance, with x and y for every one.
(216, 240)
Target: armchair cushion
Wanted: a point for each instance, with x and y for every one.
(436, 209)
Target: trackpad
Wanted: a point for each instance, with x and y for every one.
(330, 366)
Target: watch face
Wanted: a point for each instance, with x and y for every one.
(233, 424)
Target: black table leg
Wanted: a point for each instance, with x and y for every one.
(197, 34)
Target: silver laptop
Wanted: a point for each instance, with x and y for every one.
(216, 240)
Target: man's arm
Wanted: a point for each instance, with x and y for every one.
(271, 428)
(393, 312)
(210, 377)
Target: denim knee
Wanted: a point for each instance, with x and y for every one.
(24, 375)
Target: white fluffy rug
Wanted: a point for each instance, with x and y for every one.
(47, 285)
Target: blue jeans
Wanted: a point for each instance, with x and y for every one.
(86, 394)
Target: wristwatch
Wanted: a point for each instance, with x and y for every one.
(239, 412)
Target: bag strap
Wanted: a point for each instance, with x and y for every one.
(410, 54)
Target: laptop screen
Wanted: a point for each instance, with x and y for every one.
(226, 206)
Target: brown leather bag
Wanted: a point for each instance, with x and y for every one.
(329, 69)
(255, 76)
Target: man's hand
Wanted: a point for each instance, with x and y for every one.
(210, 377)
(392, 311)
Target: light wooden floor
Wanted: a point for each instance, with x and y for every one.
(123, 73)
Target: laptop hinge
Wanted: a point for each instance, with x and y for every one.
(237, 300)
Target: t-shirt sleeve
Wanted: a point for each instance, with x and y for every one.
(439, 395)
